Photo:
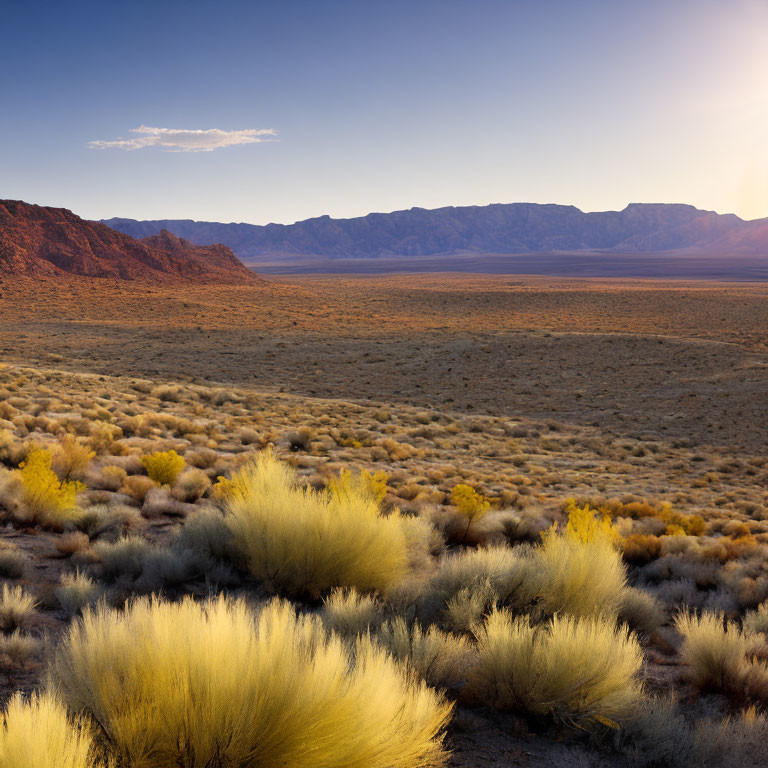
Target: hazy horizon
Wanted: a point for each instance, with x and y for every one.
(417, 207)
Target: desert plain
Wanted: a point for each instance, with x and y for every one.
(648, 400)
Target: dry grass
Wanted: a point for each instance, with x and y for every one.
(439, 658)
(575, 669)
(720, 656)
(581, 569)
(18, 609)
(38, 733)
(269, 690)
(302, 541)
(349, 613)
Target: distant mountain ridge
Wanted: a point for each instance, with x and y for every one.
(41, 241)
(514, 228)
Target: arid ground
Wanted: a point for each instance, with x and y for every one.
(679, 361)
(632, 395)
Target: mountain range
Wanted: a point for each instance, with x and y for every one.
(41, 241)
(517, 228)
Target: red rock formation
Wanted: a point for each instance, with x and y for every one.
(41, 241)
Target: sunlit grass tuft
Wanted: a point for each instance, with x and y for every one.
(214, 685)
(302, 541)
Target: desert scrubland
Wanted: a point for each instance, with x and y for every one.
(385, 521)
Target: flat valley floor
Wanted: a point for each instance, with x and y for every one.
(674, 360)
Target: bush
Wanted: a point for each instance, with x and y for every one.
(349, 613)
(469, 502)
(439, 658)
(371, 484)
(164, 466)
(37, 733)
(213, 685)
(304, 541)
(13, 562)
(17, 609)
(112, 478)
(577, 669)
(191, 485)
(468, 584)
(716, 653)
(581, 570)
(76, 591)
(47, 500)
(71, 458)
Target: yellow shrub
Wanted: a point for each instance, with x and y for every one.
(47, 500)
(469, 502)
(581, 570)
(585, 527)
(164, 466)
(37, 733)
(577, 669)
(373, 484)
(304, 541)
(222, 488)
(206, 686)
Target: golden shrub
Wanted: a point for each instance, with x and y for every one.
(214, 685)
(47, 500)
(469, 502)
(373, 484)
(163, 466)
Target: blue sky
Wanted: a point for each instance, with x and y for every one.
(377, 106)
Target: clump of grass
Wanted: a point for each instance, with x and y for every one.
(19, 648)
(350, 614)
(47, 500)
(13, 562)
(757, 620)
(38, 733)
(77, 591)
(303, 541)
(468, 584)
(641, 611)
(573, 669)
(17, 609)
(581, 569)
(271, 690)
(719, 655)
(163, 466)
(440, 659)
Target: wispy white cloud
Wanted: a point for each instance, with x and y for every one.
(185, 139)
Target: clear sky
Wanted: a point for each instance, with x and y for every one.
(279, 111)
